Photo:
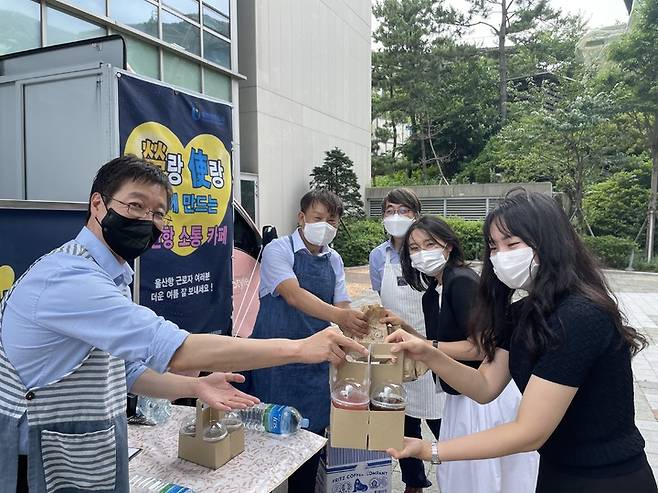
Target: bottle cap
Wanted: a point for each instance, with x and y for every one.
(304, 423)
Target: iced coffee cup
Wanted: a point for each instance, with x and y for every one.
(350, 395)
(388, 396)
(214, 432)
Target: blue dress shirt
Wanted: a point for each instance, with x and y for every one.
(279, 258)
(67, 305)
(376, 263)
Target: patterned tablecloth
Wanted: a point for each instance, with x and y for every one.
(265, 463)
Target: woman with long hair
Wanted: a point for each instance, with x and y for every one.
(401, 207)
(565, 344)
(433, 263)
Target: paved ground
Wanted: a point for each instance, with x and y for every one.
(638, 295)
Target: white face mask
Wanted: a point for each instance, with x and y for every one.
(319, 234)
(429, 262)
(397, 225)
(515, 268)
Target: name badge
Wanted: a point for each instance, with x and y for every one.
(401, 281)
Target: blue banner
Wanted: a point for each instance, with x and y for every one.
(27, 234)
(186, 276)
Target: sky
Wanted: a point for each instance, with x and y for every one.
(597, 13)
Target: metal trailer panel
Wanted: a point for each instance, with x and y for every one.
(66, 125)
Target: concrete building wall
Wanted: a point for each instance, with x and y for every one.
(307, 64)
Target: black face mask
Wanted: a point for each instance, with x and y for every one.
(128, 238)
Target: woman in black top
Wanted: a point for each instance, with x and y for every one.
(567, 347)
(433, 261)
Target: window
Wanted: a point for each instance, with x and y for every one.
(216, 50)
(216, 85)
(63, 28)
(20, 26)
(181, 72)
(95, 6)
(189, 8)
(180, 32)
(137, 14)
(142, 57)
(221, 5)
(216, 21)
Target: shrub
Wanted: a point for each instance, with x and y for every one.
(355, 244)
(617, 206)
(611, 251)
(470, 236)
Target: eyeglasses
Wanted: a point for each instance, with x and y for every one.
(138, 211)
(403, 211)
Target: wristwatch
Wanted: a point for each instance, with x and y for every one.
(435, 454)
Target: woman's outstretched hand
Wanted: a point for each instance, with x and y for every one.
(413, 447)
(414, 347)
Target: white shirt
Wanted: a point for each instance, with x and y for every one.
(279, 258)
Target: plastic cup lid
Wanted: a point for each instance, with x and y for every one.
(215, 432)
(350, 393)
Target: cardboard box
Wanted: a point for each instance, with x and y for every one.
(209, 454)
(349, 470)
(371, 430)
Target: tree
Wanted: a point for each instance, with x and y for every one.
(515, 18)
(565, 140)
(407, 68)
(635, 76)
(468, 114)
(616, 206)
(551, 47)
(337, 175)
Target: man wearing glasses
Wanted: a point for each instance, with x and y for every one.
(72, 343)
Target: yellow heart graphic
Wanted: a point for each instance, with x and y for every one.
(200, 174)
(6, 279)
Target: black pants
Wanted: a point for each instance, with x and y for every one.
(21, 484)
(413, 470)
(303, 479)
(552, 480)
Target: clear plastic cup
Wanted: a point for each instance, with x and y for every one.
(350, 395)
(189, 426)
(388, 396)
(214, 432)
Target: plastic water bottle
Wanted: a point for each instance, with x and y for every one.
(155, 410)
(273, 418)
(142, 484)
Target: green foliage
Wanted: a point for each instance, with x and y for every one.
(611, 251)
(355, 244)
(519, 20)
(470, 236)
(406, 179)
(337, 175)
(562, 134)
(362, 235)
(617, 206)
(642, 265)
(635, 79)
(551, 47)
(421, 77)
